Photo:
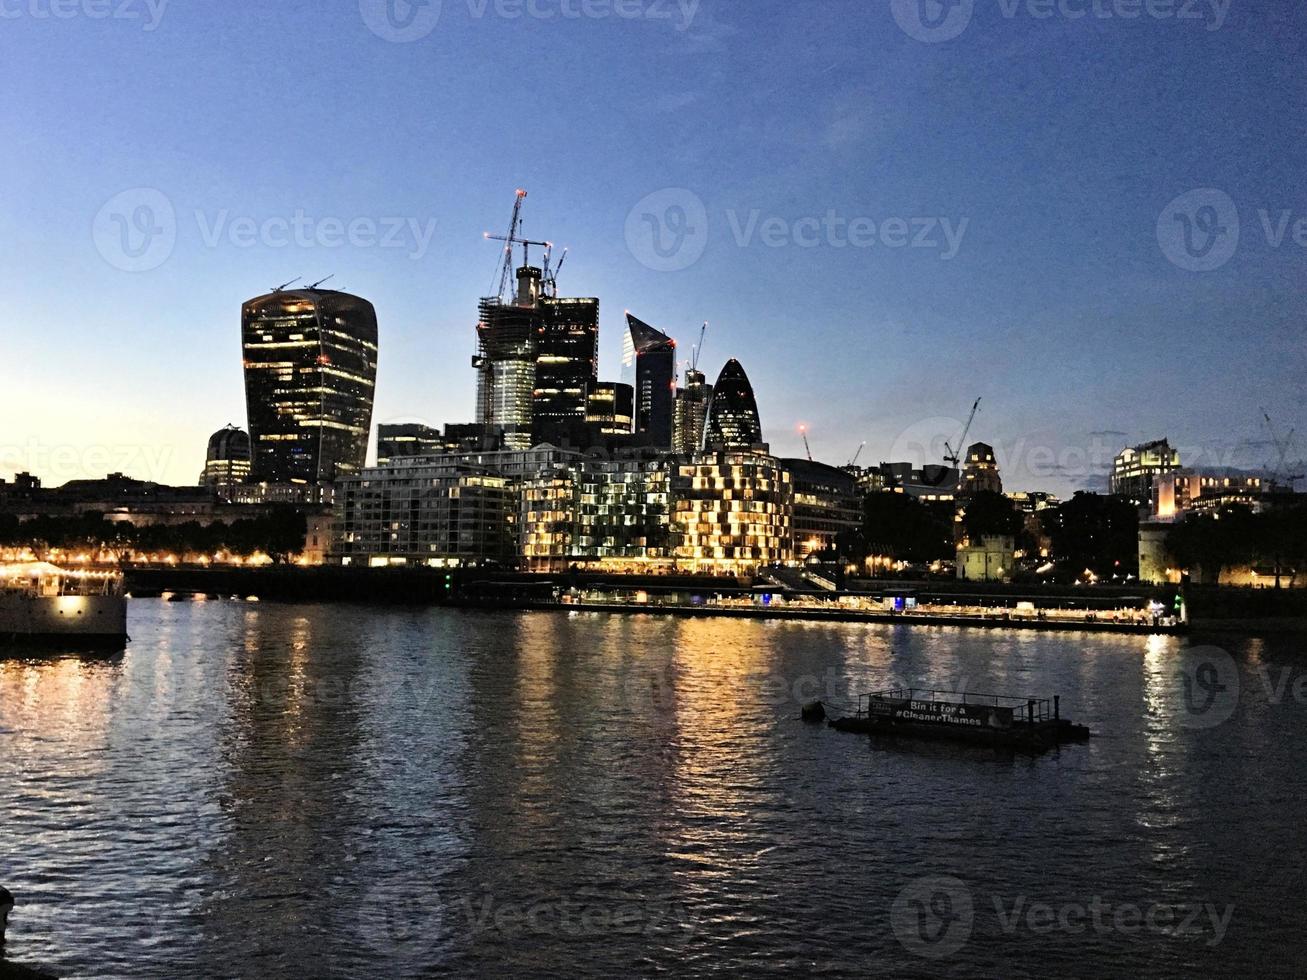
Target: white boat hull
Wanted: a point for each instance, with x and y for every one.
(77, 620)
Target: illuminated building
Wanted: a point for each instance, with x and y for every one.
(1136, 469)
(980, 471)
(932, 483)
(826, 505)
(733, 421)
(690, 413)
(310, 360)
(655, 381)
(610, 405)
(567, 363)
(227, 460)
(454, 508)
(733, 512)
(507, 336)
(396, 441)
(1185, 491)
(608, 514)
(992, 560)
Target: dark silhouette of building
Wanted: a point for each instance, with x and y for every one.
(733, 421)
(655, 382)
(567, 363)
(980, 471)
(310, 375)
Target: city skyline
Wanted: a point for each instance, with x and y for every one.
(1061, 305)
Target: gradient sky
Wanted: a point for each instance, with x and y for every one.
(1061, 141)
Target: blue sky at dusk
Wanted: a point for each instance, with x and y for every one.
(1083, 290)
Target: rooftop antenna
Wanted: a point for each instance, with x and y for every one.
(321, 281)
(277, 289)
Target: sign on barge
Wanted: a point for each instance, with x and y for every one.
(1032, 724)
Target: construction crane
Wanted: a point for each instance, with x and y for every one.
(697, 350)
(803, 431)
(506, 264)
(951, 455)
(321, 281)
(277, 289)
(1282, 446)
(854, 461)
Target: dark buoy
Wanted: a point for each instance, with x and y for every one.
(814, 711)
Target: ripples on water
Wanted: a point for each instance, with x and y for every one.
(341, 791)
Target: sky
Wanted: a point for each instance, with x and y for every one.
(1087, 213)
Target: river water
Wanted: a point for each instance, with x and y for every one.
(272, 790)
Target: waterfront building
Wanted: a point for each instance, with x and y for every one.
(733, 512)
(310, 361)
(733, 421)
(567, 364)
(226, 460)
(980, 471)
(655, 381)
(992, 559)
(610, 515)
(610, 407)
(690, 413)
(827, 504)
(407, 439)
(1136, 469)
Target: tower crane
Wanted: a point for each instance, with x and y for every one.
(950, 454)
(854, 461)
(698, 348)
(803, 431)
(1282, 446)
(506, 265)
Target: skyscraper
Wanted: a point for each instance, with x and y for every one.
(227, 459)
(567, 363)
(310, 360)
(690, 412)
(733, 421)
(655, 380)
(507, 335)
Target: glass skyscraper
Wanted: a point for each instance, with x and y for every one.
(567, 363)
(733, 421)
(310, 358)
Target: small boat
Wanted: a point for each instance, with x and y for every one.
(42, 603)
(1031, 724)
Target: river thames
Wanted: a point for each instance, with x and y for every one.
(256, 789)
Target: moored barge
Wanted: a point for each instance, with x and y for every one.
(1029, 724)
(43, 604)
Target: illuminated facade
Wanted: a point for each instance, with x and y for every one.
(733, 421)
(401, 440)
(827, 504)
(980, 471)
(690, 413)
(1136, 469)
(608, 514)
(440, 513)
(567, 363)
(310, 358)
(227, 460)
(610, 405)
(506, 360)
(655, 381)
(733, 512)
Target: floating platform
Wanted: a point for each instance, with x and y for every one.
(1024, 724)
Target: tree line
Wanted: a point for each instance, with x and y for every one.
(279, 535)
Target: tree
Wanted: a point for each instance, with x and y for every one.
(897, 526)
(1095, 531)
(991, 513)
